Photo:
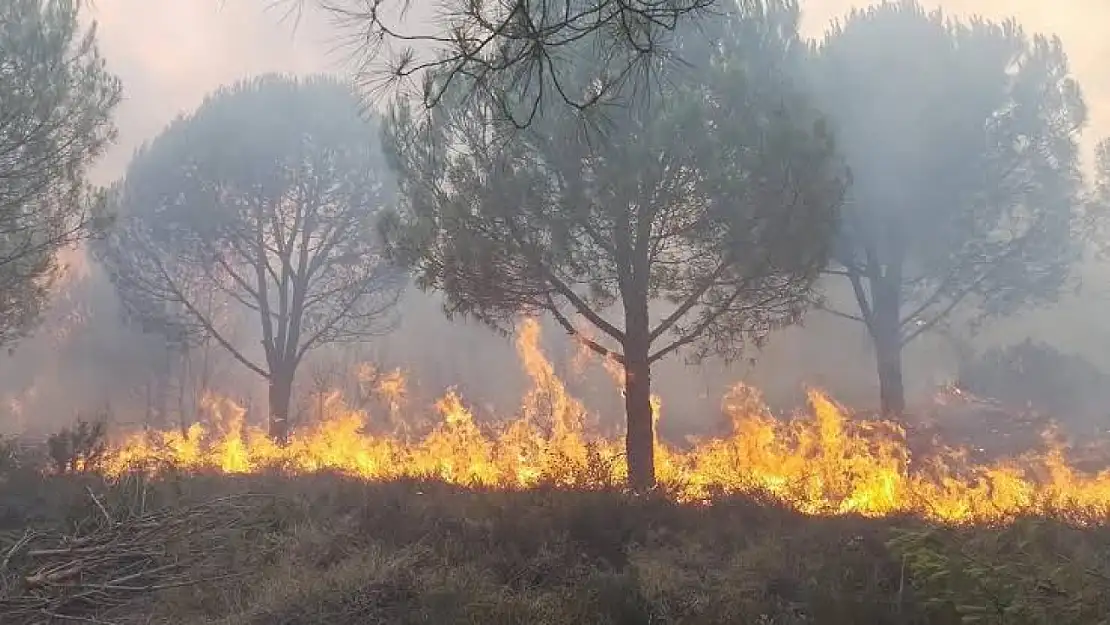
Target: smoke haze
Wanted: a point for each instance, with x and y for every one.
(171, 53)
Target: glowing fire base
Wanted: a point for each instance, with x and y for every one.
(821, 463)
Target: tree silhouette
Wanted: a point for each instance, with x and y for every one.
(962, 140)
(268, 197)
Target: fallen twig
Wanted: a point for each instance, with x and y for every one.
(109, 565)
(107, 517)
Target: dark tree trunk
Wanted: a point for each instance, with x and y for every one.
(892, 394)
(887, 335)
(280, 394)
(183, 420)
(640, 435)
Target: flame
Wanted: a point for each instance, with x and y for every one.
(822, 462)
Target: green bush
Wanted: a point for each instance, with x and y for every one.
(1037, 376)
(1032, 572)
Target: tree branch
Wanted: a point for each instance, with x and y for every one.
(837, 313)
(208, 326)
(689, 304)
(593, 345)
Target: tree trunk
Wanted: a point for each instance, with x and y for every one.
(280, 394)
(639, 445)
(639, 442)
(892, 394)
(640, 436)
(183, 420)
(887, 336)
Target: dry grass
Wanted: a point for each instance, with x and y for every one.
(324, 549)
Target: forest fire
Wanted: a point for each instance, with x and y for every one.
(823, 463)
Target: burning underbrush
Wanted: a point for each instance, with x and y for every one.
(824, 518)
(823, 461)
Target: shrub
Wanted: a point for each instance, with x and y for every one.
(79, 448)
(1034, 571)
(1036, 376)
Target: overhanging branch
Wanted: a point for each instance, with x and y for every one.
(574, 332)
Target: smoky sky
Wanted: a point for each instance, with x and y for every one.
(170, 53)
